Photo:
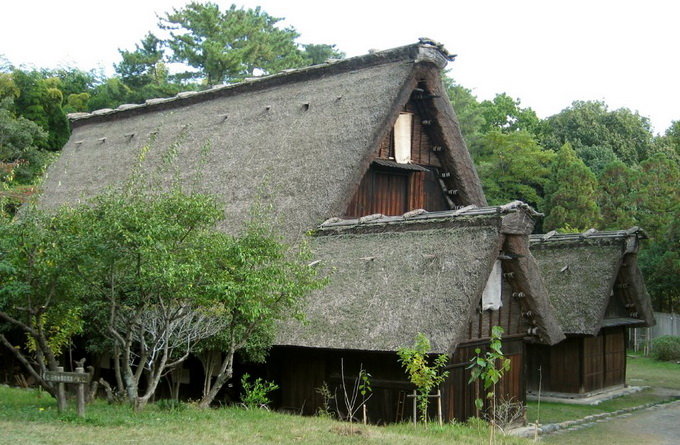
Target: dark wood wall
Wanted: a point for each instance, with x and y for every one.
(395, 191)
(509, 317)
(459, 395)
(579, 365)
(301, 371)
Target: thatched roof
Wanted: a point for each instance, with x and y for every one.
(300, 140)
(394, 276)
(584, 272)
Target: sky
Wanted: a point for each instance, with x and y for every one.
(547, 53)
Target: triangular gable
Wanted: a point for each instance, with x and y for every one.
(447, 178)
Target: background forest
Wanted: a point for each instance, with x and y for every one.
(587, 166)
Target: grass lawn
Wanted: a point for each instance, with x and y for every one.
(645, 371)
(30, 416)
(641, 371)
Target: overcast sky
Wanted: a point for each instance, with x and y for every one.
(545, 52)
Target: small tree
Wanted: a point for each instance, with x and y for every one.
(489, 368)
(423, 372)
(254, 281)
(144, 257)
(361, 386)
(41, 295)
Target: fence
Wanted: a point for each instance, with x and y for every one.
(666, 324)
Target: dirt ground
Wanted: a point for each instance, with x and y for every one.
(656, 426)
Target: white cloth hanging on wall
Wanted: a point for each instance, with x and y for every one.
(491, 297)
(402, 138)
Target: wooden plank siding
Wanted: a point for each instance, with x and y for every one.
(579, 365)
(593, 363)
(459, 395)
(301, 371)
(509, 317)
(614, 356)
(394, 192)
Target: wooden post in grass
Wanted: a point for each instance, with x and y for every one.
(415, 407)
(61, 393)
(439, 406)
(79, 378)
(438, 396)
(80, 393)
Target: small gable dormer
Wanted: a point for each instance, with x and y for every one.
(407, 172)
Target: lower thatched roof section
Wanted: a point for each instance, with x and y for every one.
(580, 272)
(385, 287)
(579, 280)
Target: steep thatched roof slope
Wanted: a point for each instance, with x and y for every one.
(300, 140)
(580, 272)
(392, 277)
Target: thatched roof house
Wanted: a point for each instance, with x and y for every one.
(370, 135)
(301, 140)
(374, 134)
(596, 288)
(392, 277)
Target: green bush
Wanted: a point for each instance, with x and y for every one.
(666, 347)
(256, 394)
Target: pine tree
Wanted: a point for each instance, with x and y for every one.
(572, 193)
(617, 196)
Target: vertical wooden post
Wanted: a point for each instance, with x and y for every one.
(476, 397)
(61, 393)
(415, 407)
(439, 406)
(80, 394)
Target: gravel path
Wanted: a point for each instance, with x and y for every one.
(659, 425)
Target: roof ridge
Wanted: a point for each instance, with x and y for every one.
(590, 234)
(424, 215)
(425, 50)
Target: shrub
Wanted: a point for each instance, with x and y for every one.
(666, 347)
(256, 394)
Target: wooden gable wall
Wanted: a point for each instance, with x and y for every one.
(399, 188)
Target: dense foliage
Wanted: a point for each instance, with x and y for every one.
(584, 167)
(666, 347)
(153, 278)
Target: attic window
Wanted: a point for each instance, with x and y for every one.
(402, 138)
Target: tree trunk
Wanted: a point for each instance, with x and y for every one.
(47, 386)
(226, 372)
